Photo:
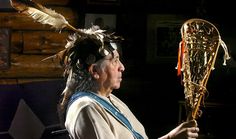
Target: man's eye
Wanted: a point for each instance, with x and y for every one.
(115, 60)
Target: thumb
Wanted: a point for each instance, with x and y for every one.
(191, 123)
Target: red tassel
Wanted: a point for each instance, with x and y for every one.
(180, 57)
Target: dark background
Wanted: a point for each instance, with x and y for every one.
(151, 90)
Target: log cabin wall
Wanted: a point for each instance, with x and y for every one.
(29, 87)
(31, 42)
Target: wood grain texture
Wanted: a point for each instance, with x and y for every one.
(17, 21)
(32, 66)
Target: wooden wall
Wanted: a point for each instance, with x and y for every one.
(31, 42)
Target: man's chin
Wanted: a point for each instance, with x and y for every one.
(117, 87)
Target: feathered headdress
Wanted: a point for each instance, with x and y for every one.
(70, 58)
(44, 15)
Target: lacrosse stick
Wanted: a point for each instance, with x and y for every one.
(196, 58)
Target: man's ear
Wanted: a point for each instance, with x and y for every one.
(93, 71)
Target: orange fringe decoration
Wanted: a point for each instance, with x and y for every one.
(180, 57)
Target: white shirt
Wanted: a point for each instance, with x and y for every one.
(86, 119)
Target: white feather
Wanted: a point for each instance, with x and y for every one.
(49, 17)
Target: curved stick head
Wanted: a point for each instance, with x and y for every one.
(201, 41)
